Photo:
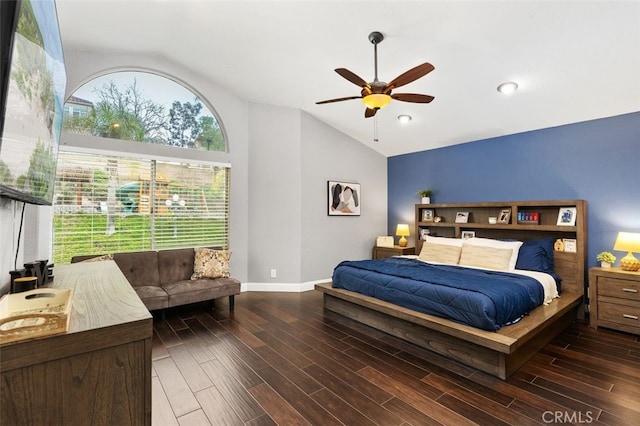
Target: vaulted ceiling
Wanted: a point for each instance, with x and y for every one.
(573, 60)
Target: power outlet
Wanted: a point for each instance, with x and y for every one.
(274, 273)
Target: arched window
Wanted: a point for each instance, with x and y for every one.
(143, 107)
(151, 186)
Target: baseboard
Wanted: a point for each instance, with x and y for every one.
(282, 287)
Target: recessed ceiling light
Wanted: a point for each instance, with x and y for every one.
(404, 118)
(508, 87)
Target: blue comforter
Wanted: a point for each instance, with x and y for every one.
(480, 298)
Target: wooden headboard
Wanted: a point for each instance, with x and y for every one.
(520, 225)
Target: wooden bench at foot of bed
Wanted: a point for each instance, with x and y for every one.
(498, 353)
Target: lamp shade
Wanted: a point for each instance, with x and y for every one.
(629, 242)
(402, 230)
(376, 100)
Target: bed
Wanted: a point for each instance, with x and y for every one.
(390, 295)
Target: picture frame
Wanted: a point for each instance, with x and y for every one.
(344, 198)
(504, 216)
(427, 215)
(467, 234)
(462, 217)
(570, 245)
(567, 216)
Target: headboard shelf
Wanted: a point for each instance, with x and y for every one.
(527, 220)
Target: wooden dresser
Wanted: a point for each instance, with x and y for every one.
(614, 299)
(99, 372)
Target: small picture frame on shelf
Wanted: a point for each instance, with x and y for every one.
(567, 216)
(467, 234)
(504, 216)
(427, 215)
(424, 232)
(462, 217)
(570, 245)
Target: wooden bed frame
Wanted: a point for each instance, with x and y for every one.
(498, 353)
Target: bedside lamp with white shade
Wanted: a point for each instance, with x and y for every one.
(402, 231)
(629, 242)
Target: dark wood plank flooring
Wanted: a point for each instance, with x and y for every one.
(280, 359)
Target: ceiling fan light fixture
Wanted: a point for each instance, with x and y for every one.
(376, 100)
(508, 87)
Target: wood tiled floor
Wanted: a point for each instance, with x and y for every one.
(280, 359)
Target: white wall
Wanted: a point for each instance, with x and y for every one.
(10, 212)
(328, 154)
(274, 197)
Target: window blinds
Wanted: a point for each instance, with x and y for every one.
(109, 204)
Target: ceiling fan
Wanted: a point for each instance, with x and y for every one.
(377, 94)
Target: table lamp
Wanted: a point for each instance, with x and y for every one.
(629, 242)
(402, 231)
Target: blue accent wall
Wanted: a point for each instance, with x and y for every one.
(597, 161)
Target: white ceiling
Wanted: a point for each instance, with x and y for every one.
(573, 60)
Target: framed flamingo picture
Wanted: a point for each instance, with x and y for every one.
(344, 198)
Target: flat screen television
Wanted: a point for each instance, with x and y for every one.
(33, 83)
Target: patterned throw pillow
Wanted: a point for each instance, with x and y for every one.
(211, 263)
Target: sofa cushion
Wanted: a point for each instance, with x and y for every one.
(175, 265)
(140, 268)
(210, 263)
(153, 297)
(191, 291)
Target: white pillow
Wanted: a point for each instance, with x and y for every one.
(487, 242)
(440, 253)
(485, 257)
(456, 242)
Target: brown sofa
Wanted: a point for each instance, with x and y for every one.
(162, 279)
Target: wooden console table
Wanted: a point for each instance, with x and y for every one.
(99, 372)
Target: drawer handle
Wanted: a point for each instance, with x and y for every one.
(634, 317)
(629, 290)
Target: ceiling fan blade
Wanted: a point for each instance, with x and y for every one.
(358, 81)
(338, 100)
(370, 112)
(412, 97)
(409, 76)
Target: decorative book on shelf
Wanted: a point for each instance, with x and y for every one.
(529, 218)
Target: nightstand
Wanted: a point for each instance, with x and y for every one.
(614, 299)
(384, 252)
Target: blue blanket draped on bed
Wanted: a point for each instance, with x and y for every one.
(480, 298)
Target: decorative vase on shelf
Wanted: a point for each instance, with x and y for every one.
(426, 200)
